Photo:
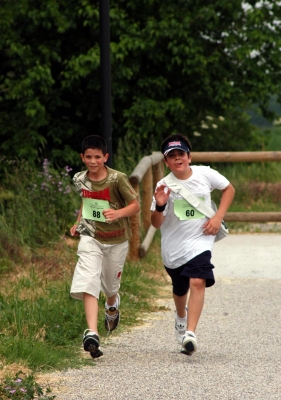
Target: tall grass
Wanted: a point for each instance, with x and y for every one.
(41, 326)
(258, 186)
(36, 208)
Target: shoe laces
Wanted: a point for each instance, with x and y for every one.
(110, 318)
(190, 334)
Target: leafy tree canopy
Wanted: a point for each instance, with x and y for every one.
(172, 64)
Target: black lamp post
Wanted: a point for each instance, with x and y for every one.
(105, 77)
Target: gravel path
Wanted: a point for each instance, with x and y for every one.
(239, 339)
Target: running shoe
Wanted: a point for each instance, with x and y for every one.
(112, 315)
(91, 343)
(189, 343)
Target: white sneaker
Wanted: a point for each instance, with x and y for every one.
(180, 328)
(189, 343)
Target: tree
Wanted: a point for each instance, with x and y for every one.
(173, 63)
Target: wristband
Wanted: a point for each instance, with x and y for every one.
(160, 208)
(77, 223)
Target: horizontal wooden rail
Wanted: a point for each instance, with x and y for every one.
(252, 217)
(233, 156)
(242, 156)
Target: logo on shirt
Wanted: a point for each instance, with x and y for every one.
(101, 194)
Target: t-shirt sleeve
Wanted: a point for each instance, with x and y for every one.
(217, 180)
(126, 190)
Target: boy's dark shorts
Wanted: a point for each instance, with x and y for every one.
(198, 267)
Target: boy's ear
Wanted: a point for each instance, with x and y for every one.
(82, 156)
(106, 157)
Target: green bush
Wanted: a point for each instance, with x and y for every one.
(38, 207)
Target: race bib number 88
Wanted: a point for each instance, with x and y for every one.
(185, 211)
(93, 209)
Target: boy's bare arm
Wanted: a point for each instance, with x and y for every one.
(157, 219)
(131, 209)
(161, 196)
(73, 231)
(226, 200)
(212, 226)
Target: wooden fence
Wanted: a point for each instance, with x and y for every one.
(150, 170)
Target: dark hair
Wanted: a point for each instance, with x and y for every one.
(94, 142)
(176, 136)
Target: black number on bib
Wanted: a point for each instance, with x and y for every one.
(189, 213)
(96, 214)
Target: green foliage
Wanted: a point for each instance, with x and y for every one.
(231, 132)
(172, 64)
(258, 187)
(49, 315)
(274, 137)
(37, 207)
(23, 387)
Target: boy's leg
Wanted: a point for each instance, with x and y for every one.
(195, 306)
(196, 302)
(91, 339)
(86, 286)
(180, 303)
(91, 311)
(111, 300)
(181, 316)
(112, 268)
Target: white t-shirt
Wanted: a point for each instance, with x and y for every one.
(182, 240)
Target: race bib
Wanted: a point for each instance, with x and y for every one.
(93, 209)
(185, 211)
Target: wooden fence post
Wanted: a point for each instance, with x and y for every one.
(158, 172)
(146, 198)
(134, 244)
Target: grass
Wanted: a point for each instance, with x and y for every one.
(258, 189)
(41, 326)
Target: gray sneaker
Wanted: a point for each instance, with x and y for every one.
(91, 343)
(189, 343)
(112, 316)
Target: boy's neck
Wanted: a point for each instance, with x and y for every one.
(97, 176)
(183, 175)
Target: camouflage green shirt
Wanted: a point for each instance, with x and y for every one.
(117, 190)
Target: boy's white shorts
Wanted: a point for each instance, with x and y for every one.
(99, 267)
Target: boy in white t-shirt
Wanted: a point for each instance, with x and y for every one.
(187, 242)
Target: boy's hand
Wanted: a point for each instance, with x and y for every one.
(111, 215)
(162, 194)
(73, 231)
(212, 226)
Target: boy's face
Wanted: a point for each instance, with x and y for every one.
(94, 160)
(178, 161)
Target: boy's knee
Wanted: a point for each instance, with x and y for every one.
(197, 283)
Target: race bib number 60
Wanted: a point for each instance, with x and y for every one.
(185, 211)
(93, 209)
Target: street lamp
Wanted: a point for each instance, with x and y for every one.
(106, 125)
